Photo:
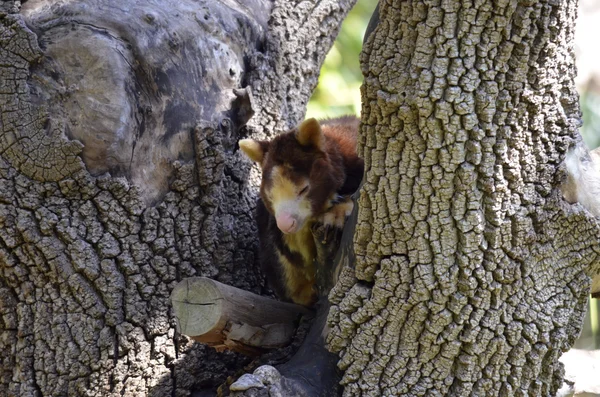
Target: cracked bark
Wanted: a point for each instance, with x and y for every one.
(471, 272)
(119, 176)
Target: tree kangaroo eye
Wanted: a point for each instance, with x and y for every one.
(304, 190)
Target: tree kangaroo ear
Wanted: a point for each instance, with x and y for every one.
(255, 150)
(309, 134)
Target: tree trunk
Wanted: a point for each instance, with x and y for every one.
(120, 175)
(471, 272)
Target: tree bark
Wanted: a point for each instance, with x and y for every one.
(120, 175)
(471, 272)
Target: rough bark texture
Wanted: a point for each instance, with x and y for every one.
(119, 176)
(471, 272)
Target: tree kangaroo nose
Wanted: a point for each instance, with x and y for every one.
(287, 223)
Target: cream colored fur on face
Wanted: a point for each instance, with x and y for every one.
(284, 197)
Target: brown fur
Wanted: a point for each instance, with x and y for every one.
(307, 169)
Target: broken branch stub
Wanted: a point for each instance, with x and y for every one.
(228, 318)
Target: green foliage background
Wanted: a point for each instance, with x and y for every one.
(338, 92)
(590, 108)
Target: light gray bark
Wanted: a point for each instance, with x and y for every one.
(119, 176)
(471, 272)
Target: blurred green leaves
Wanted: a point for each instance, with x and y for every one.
(338, 92)
(590, 108)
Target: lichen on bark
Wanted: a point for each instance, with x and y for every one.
(471, 272)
